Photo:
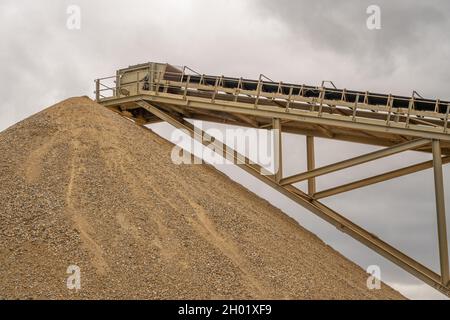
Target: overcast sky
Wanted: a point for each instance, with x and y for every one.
(42, 62)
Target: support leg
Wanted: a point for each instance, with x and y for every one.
(278, 161)
(310, 163)
(97, 90)
(440, 208)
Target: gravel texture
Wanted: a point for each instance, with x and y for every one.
(81, 185)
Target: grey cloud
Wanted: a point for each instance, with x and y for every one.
(341, 26)
(414, 35)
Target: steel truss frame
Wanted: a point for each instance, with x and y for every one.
(311, 201)
(397, 130)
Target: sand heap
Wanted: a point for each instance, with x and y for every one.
(80, 185)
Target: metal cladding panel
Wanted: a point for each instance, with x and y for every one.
(127, 78)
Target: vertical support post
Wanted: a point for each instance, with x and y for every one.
(310, 163)
(152, 76)
(321, 97)
(288, 103)
(97, 90)
(440, 208)
(237, 90)
(277, 149)
(343, 97)
(117, 81)
(182, 74)
(158, 81)
(436, 105)
(137, 82)
(186, 87)
(446, 118)
(216, 84)
(389, 106)
(355, 107)
(410, 106)
(258, 92)
(300, 92)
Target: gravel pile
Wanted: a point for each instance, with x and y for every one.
(80, 185)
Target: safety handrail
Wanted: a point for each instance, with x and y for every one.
(393, 106)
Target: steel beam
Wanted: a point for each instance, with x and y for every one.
(206, 140)
(378, 178)
(310, 163)
(411, 145)
(249, 121)
(292, 114)
(277, 149)
(440, 209)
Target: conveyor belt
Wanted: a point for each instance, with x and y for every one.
(371, 98)
(322, 111)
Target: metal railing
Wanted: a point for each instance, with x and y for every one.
(350, 103)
